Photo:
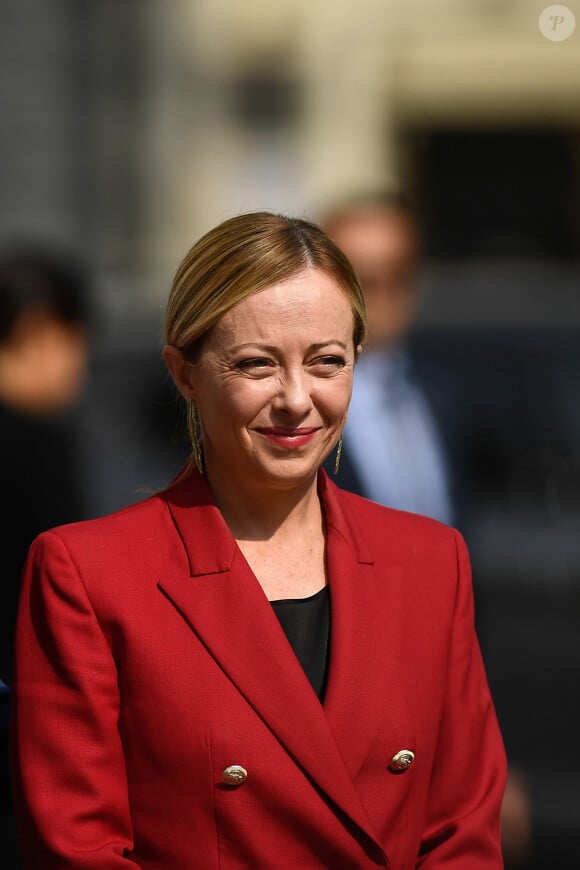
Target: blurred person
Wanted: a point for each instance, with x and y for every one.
(254, 668)
(43, 356)
(392, 452)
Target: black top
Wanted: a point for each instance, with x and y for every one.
(306, 623)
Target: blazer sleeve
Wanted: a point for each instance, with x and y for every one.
(468, 780)
(68, 772)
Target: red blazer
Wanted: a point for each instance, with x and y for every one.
(149, 660)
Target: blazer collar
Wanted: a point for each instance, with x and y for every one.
(225, 605)
(191, 501)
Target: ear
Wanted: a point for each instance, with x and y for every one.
(181, 371)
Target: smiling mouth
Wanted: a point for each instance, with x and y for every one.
(288, 437)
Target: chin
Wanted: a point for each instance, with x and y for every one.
(287, 473)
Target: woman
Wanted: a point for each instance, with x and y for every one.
(254, 669)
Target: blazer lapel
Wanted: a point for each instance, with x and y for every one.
(366, 633)
(226, 607)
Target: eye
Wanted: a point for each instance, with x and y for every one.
(254, 365)
(328, 363)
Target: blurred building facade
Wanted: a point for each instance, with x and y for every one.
(135, 127)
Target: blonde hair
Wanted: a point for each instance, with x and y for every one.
(242, 256)
(238, 258)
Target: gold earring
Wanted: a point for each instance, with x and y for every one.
(338, 455)
(193, 429)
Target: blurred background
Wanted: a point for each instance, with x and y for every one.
(127, 129)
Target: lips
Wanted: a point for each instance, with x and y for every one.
(286, 436)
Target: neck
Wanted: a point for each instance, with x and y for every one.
(261, 515)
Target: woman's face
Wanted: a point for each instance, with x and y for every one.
(273, 383)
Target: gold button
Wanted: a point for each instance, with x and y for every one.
(234, 774)
(402, 759)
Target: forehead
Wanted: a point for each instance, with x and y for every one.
(310, 300)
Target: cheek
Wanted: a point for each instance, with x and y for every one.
(232, 405)
(334, 397)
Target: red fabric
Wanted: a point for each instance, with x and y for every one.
(148, 660)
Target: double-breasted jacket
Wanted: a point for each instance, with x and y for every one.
(149, 661)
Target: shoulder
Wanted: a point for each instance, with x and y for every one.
(117, 523)
(371, 512)
(408, 558)
(134, 531)
(395, 534)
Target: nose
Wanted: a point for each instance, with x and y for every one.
(293, 396)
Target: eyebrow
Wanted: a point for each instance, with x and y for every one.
(271, 348)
